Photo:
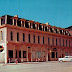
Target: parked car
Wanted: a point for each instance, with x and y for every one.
(66, 58)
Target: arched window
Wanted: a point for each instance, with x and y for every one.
(34, 38)
(48, 41)
(17, 36)
(23, 37)
(63, 42)
(29, 37)
(38, 39)
(56, 41)
(43, 39)
(52, 41)
(11, 35)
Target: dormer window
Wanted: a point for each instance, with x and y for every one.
(51, 30)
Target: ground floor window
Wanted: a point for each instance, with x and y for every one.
(43, 53)
(24, 54)
(38, 54)
(16, 54)
(19, 54)
(33, 54)
(53, 54)
(10, 53)
(66, 54)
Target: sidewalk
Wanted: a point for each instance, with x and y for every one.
(2, 64)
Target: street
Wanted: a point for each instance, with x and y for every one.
(53, 66)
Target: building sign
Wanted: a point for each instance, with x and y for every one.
(1, 48)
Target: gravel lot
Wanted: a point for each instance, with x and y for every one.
(52, 66)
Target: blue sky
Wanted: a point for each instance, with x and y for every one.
(56, 12)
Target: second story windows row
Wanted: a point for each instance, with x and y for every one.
(48, 40)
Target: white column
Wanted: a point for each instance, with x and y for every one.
(29, 24)
(44, 28)
(38, 26)
(47, 29)
(0, 21)
(24, 23)
(5, 44)
(16, 22)
(47, 55)
(21, 23)
(6, 19)
(13, 21)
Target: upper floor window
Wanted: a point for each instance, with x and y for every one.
(63, 42)
(11, 35)
(52, 41)
(34, 38)
(29, 37)
(66, 42)
(56, 41)
(48, 41)
(23, 37)
(38, 39)
(43, 39)
(17, 36)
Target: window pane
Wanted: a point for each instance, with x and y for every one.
(24, 54)
(17, 36)
(23, 37)
(19, 54)
(33, 54)
(53, 55)
(34, 38)
(43, 39)
(10, 53)
(29, 37)
(11, 35)
(38, 39)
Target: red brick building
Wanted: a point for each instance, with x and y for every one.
(27, 40)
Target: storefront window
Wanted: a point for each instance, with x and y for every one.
(24, 54)
(53, 54)
(33, 54)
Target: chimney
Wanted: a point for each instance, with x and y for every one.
(47, 23)
(16, 16)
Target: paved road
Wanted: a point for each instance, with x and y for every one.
(38, 67)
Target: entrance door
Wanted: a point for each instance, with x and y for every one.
(49, 57)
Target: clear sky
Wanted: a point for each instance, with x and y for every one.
(56, 12)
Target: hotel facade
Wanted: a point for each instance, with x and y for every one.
(30, 41)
